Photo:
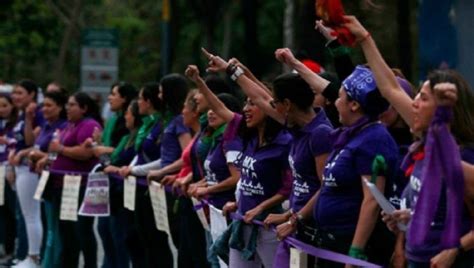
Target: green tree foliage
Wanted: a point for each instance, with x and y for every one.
(31, 33)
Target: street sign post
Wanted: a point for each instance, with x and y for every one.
(99, 59)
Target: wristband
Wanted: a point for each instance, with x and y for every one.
(237, 73)
(357, 253)
(230, 70)
(367, 35)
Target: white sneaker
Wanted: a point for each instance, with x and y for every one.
(27, 263)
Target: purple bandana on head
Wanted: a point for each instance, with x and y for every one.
(359, 84)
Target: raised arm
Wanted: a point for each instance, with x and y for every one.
(260, 96)
(384, 77)
(316, 82)
(192, 72)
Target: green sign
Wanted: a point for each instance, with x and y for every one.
(95, 37)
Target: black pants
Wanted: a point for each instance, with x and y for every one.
(154, 242)
(379, 247)
(192, 246)
(77, 237)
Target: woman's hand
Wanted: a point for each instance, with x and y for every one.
(228, 208)
(201, 192)
(111, 169)
(355, 27)
(398, 216)
(276, 219)
(251, 214)
(284, 55)
(30, 111)
(41, 164)
(445, 258)
(192, 189)
(446, 94)
(154, 175)
(125, 171)
(216, 63)
(182, 185)
(168, 179)
(285, 229)
(55, 146)
(97, 135)
(327, 32)
(192, 72)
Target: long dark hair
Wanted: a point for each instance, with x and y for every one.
(86, 102)
(463, 120)
(30, 86)
(126, 91)
(175, 88)
(11, 120)
(137, 122)
(60, 99)
(150, 93)
(292, 87)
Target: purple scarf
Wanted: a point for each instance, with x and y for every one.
(341, 136)
(442, 162)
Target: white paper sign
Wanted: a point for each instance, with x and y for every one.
(129, 189)
(386, 206)
(70, 198)
(96, 198)
(201, 215)
(41, 185)
(2, 185)
(160, 209)
(218, 224)
(298, 259)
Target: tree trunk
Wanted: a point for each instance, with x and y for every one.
(405, 51)
(288, 28)
(68, 34)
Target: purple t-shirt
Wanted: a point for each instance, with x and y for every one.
(309, 142)
(171, 149)
(338, 206)
(19, 129)
(3, 147)
(150, 148)
(46, 134)
(216, 168)
(263, 171)
(75, 134)
(432, 245)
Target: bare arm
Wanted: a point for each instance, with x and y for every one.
(384, 77)
(316, 82)
(226, 184)
(468, 170)
(214, 103)
(369, 212)
(260, 96)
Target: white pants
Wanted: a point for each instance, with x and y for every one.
(267, 244)
(26, 183)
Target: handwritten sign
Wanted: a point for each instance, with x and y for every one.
(2, 185)
(41, 185)
(129, 189)
(160, 209)
(70, 198)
